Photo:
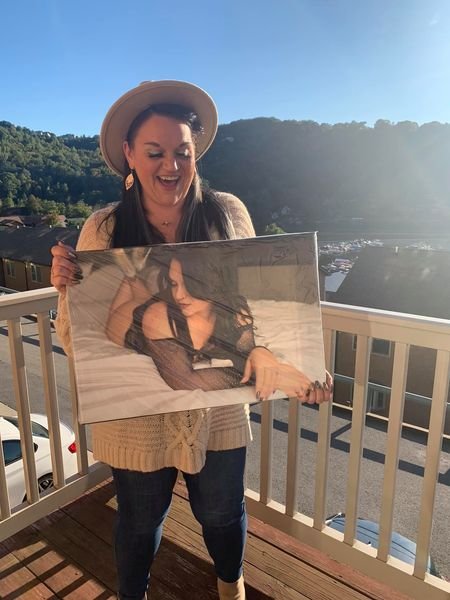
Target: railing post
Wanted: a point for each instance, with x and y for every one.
(266, 451)
(23, 407)
(324, 433)
(5, 510)
(51, 398)
(292, 456)
(358, 423)
(80, 430)
(437, 420)
(394, 434)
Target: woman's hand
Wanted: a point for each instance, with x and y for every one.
(271, 375)
(65, 270)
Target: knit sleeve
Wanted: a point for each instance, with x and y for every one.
(95, 235)
(239, 215)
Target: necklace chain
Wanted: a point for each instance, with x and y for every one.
(163, 223)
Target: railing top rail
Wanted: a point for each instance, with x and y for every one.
(385, 317)
(15, 306)
(328, 308)
(27, 297)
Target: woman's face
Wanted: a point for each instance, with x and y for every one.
(163, 156)
(188, 305)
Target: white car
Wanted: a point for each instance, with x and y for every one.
(10, 436)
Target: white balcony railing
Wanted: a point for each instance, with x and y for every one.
(12, 308)
(403, 330)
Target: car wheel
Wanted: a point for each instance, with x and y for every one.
(45, 482)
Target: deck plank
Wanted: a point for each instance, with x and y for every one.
(69, 555)
(51, 567)
(16, 581)
(264, 561)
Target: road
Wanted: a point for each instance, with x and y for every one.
(411, 464)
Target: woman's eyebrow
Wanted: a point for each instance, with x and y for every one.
(159, 145)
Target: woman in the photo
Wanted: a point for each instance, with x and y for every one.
(196, 321)
(152, 137)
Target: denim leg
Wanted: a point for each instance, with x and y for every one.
(216, 495)
(143, 502)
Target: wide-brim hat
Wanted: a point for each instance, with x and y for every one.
(123, 112)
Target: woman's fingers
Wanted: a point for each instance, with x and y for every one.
(267, 382)
(65, 270)
(247, 371)
(271, 375)
(315, 393)
(63, 250)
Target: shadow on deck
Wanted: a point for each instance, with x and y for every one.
(68, 554)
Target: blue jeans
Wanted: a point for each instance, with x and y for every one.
(216, 496)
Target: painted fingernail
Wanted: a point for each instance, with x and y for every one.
(258, 395)
(308, 391)
(317, 385)
(78, 275)
(75, 281)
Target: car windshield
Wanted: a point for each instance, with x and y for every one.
(37, 429)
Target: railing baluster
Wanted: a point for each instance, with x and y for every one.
(265, 493)
(437, 420)
(356, 442)
(51, 398)
(23, 407)
(292, 457)
(394, 434)
(323, 442)
(80, 430)
(5, 510)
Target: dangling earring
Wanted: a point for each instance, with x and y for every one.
(129, 180)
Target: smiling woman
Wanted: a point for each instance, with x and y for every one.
(152, 137)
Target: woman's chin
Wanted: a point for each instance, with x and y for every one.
(165, 198)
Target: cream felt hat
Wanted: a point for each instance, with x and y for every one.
(123, 112)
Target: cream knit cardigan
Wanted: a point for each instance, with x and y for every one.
(170, 440)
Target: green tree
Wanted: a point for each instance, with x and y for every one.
(79, 210)
(9, 184)
(273, 229)
(52, 219)
(8, 202)
(33, 205)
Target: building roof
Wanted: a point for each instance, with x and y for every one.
(21, 221)
(334, 281)
(401, 280)
(32, 244)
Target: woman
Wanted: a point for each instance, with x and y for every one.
(152, 137)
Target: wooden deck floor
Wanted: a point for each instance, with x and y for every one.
(69, 555)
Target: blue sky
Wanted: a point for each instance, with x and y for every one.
(64, 63)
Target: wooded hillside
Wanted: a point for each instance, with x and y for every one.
(292, 173)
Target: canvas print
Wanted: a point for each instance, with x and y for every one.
(170, 327)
